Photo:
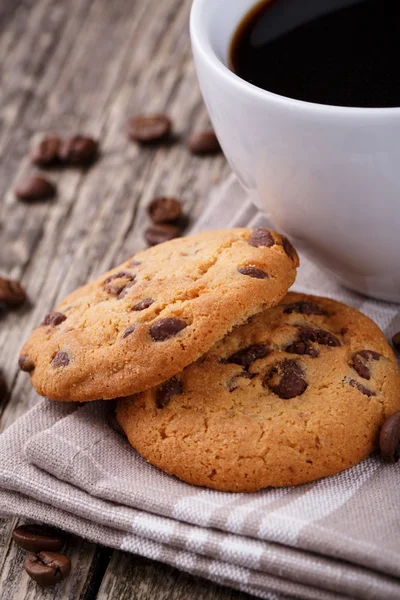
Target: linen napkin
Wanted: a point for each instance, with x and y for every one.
(336, 538)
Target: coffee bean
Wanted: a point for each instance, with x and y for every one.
(61, 359)
(165, 210)
(35, 189)
(111, 417)
(247, 356)
(12, 293)
(143, 304)
(319, 336)
(396, 341)
(26, 364)
(148, 129)
(115, 284)
(389, 439)
(253, 272)
(163, 329)
(128, 331)
(157, 234)
(302, 348)
(167, 390)
(35, 538)
(261, 237)
(234, 382)
(361, 388)
(47, 568)
(304, 308)
(204, 142)
(3, 387)
(288, 248)
(54, 318)
(287, 379)
(79, 151)
(45, 154)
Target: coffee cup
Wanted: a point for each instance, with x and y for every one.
(326, 176)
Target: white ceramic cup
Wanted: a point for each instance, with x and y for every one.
(327, 176)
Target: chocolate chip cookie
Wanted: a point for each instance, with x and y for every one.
(150, 317)
(298, 393)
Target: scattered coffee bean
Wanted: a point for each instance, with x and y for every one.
(163, 232)
(36, 538)
(261, 237)
(143, 304)
(54, 318)
(287, 379)
(3, 387)
(304, 308)
(165, 210)
(79, 151)
(148, 129)
(163, 329)
(361, 388)
(111, 417)
(128, 331)
(204, 142)
(35, 189)
(45, 154)
(288, 248)
(61, 359)
(164, 393)
(389, 439)
(247, 356)
(47, 568)
(12, 293)
(26, 364)
(253, 272)
(319, 336)
(396, 341)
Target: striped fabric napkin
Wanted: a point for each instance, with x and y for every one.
(62, 464)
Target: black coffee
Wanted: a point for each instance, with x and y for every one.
(340, 52)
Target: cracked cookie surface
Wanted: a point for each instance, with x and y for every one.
(298, 393)
(145, 320)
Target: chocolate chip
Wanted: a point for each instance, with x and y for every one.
(128, 331)
(302, 348)
(234, 382)
(12, 293)
(261, 237)
(35, 538)
(344, 330)
(26, 364)
(287, 379)
(165, 210)
(304, 308)
(157, 234)
(253, 272)
(35, 189)
(143, 304)
(47, 568)
(361, 388)
(111, 417)
(3, 387)
(115, 284)
(54, 318)
(319, 336)
(79, 151)
(247, 356)
(389, 439)
(164, 393)
(359, 360)
(288, 248)
(45, 153)
(61, 359)
(126, 289)
(396, 341)
(165, 328)
(148, 129)
(204, 142)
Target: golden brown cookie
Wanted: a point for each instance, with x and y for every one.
(298, 393)
(150, 317)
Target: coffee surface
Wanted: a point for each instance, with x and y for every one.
(339, 53)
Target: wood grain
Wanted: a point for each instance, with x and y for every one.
(82, 65)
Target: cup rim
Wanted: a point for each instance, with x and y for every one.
(200, 39)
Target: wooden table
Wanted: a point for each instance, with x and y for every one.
(88, 65)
